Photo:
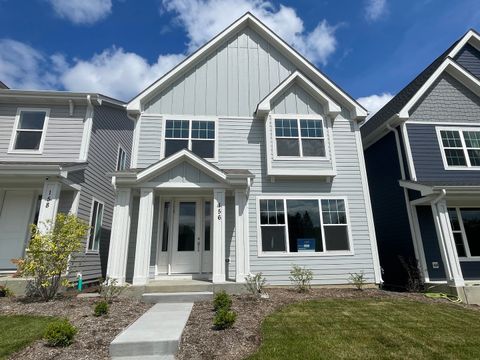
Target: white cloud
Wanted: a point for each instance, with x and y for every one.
(82, 11)
(375, 9)
(373, 103)
(203, 19)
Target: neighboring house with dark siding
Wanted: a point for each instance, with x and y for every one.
(422, 152)
(56, 149)
(246, 159)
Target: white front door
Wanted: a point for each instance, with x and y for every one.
(15, 215)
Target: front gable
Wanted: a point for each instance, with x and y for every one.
(184, 173)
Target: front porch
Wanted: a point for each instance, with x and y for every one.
(181, 218)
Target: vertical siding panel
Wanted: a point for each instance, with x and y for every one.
(177, 97)
(189, 96)
(200, 89)
(222, 81)
(233, 96)
(211, 101)
(243, 79)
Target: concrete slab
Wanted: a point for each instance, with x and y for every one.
(177, 297)
(157, 332)
(146, 357)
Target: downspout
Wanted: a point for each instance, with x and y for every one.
(136, 134)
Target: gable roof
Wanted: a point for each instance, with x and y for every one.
(358, 112)
(331, 107)
(399, 102)
(3, 86)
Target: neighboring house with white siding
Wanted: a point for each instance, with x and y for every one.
(422, 151)
(246, 159)
(56, 149)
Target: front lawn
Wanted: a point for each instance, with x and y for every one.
(370, 329)
(19, 331)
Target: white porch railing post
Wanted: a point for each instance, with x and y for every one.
(49, 204)
(218, 249)
(446, 241)
(118, 250)
(144, 237)
(241, 236)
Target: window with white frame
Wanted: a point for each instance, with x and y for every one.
(465, 223)
(461, 148)
(121, 159)
(311, 225)
(299, 137)
(96, 222)
(29, 130)
(197, 136)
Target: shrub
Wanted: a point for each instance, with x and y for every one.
(5, 291)
(60, 333)
(255, 285)
(101, 308)
(224, 319)
(413, 270)
(222, 301)
(109, 289)
(358, 280)
(49, 252)
(301, 278)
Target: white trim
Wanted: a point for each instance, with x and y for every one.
(218, 243)
(135, 139)
(87, 249)
(408, 152)
(120, 148)
(418, 243)
(249, 20)
(49, 204)
(442, 123)
(464, 147)
(13, 137)
(87, 130)
(265, 106)
(286, 253)
(470, 37)
(466, 245)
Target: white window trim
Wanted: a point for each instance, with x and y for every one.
(464, 147)
(120, 148)
(190, 119)
(299, 117)
(13, 138)
(87, 250)
(469, 257)
(324, 253)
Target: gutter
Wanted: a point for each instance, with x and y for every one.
(442, 194)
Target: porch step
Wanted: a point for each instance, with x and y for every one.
(177, 297)
(154, 335)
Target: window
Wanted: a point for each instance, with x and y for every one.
(196, 135)
(461, 148)
(299, 138)
(465, 224)
(121, 159)
(29, 130)
(303, 225)
(96, 222)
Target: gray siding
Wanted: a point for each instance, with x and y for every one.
(65, 202)
(63, 134)
(295, 100)
(184, 172)
(111, 127)
(469, 58)
(229, 82)
(150, 140)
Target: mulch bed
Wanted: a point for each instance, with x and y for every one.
(94, 333)
(201, 341)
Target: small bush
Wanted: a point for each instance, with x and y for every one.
(60, 333)
(222, 301)
(5, 291)
(109, 289)
(301, 278)
(224, 319)
(101, 308)
(255, 285)
(358, 280)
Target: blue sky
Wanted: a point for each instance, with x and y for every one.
(372, 48)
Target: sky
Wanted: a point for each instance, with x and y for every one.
(371, 48)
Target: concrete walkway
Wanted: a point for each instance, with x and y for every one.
(155, 335)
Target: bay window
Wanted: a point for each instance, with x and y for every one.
(299, 138)
(197, 136)
(303, 225)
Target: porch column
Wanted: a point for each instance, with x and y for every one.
(218, 250)
(118, 250)
(49, 205)
(144, 238)
(447, 244)
(242, 266)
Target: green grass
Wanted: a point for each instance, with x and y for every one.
(370, 329)
(18, 331)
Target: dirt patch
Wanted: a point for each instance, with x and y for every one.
(201, 341)
(94, 333)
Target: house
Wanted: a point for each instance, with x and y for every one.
(246, 159)
(56, 149)
(422, 155)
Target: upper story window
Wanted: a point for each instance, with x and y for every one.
(303, 225)
(460, 147)
(29, 130)
(299, 138)
(121, 159)
(197, 136)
